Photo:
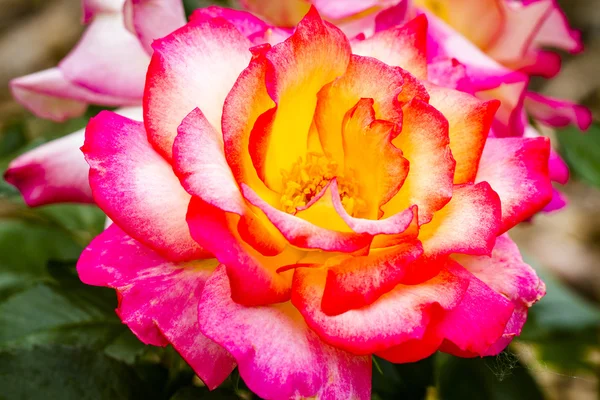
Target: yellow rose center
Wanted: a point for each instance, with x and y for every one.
(308, 177)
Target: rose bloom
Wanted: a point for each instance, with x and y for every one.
(294, 209)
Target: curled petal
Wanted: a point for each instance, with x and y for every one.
(136, 187)
(318, 227)
(359, 281)
(336, 98)
(278, 356)
(195, 66)
(396, 317)
(468, 224)
(158, 299)
(478, 321)
(517, 169)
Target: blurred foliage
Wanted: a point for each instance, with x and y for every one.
(581, 151)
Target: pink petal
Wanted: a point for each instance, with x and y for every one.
(468, 224)
(108, 59)
(278, 356)
(506, 273)
(136, 187)
(255, 29)
(398, 316)
(48, 94)
(556, 112)
(158, 299)
(195, 66)
(356, 282)
(517, 169)
(154, 19)
(478, 321)
(558, 202)
(402, 46)
(55, 172)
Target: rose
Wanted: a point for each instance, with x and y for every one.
(295, 209)
(107, 67)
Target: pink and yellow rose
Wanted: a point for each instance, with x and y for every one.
(294, 209)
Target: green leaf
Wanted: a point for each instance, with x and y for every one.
(581, 150)
(60, 372)
(492, 378)
(402, 381)
(25, 250)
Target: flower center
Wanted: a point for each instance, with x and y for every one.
(437, 7)
(307, 178)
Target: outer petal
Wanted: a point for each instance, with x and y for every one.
(517, 169)
(470, 121)
(200, 164)
(108, 59)
(404, 46)
(297, 69)
(278, 356)
(136, 187)
(425, 143)
(158, 299)
(468, 224)
(478, 321)
(153, 19)
(48, 94)
(556, 112)
(195, 66)
(507, 274)
(396, 317)
(55, 172)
